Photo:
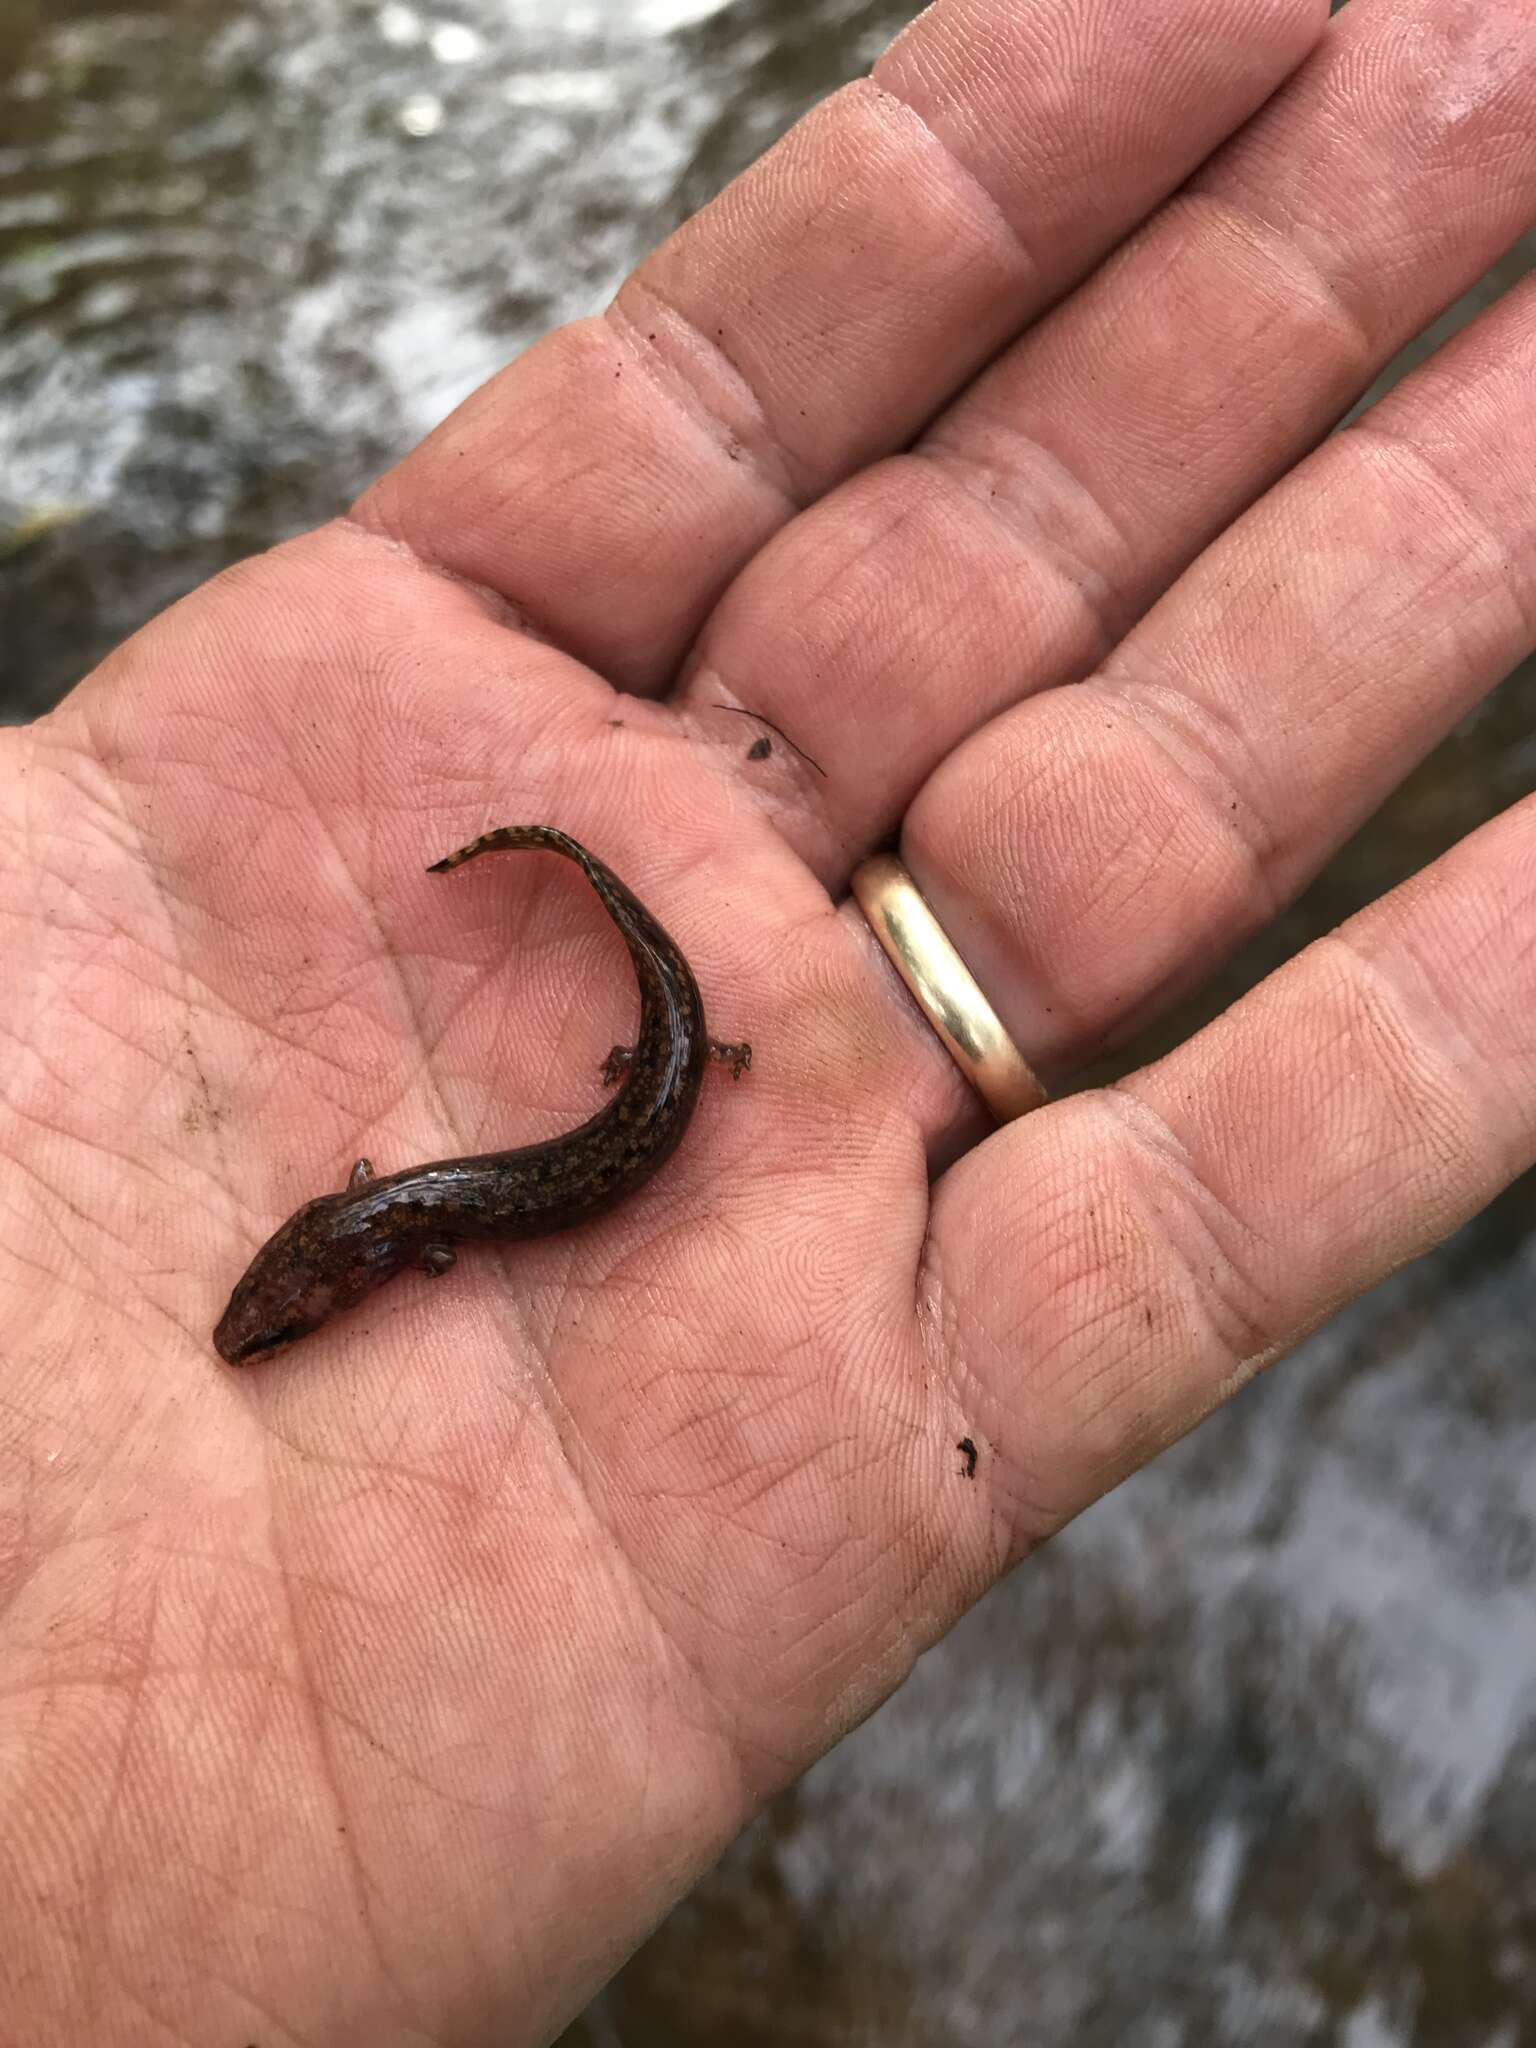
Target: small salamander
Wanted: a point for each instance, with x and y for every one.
(339, 1248)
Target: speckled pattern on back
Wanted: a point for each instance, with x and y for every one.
(340, 1247)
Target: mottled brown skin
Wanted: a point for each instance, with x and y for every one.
(339, 1248)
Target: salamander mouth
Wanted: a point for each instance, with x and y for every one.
(264, 1340)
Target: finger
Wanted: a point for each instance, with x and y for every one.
(1044, 512)
(610, 482)
(1107, 1271)
(1093, 852)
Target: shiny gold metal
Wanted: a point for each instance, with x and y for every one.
(945, 989)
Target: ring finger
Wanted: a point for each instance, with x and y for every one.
(1095, 850)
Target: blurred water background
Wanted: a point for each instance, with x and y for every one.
(1249, 1755)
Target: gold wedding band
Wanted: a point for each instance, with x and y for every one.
(945, 989)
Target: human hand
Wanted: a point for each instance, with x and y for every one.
(391, 1691)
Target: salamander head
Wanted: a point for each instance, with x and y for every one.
(301, 1276)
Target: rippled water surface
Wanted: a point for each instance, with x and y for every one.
(1249, 1755)
(248, 253)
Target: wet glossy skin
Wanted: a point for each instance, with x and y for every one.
(339, 1248)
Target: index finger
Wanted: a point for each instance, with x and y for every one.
(610, 483)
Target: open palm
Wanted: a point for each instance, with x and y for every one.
(388, 1692)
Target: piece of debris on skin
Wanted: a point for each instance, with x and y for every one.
(760, 749)
(967, 1451)
(203, 1114)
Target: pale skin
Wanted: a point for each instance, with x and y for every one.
(392, 1693)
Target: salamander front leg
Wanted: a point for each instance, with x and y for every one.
(617, 1065)
(436, 1259)
(360, 1174)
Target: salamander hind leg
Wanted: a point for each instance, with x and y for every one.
(617, 1065)
(361, 1174)
(436, 1259)
(737, 1057)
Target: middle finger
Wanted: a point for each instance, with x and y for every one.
(1043, 513)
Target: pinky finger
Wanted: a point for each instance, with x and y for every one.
(1108, 1270)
